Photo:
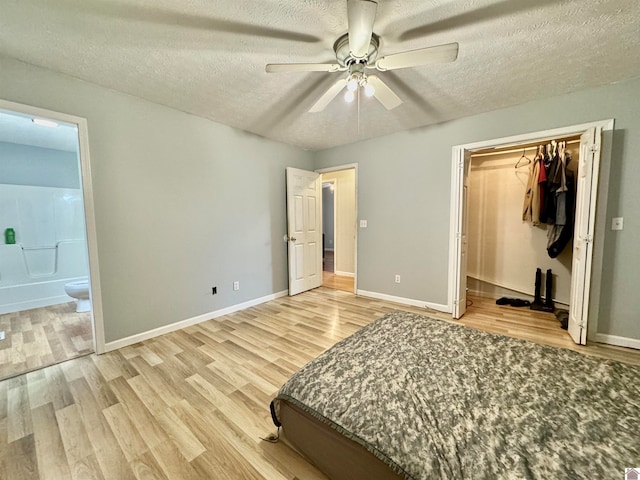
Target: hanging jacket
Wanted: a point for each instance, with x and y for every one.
(552, 186)
(561, 233)
(531, 205)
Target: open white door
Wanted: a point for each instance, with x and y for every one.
(304, 224)
(586, 186)
(462, 229)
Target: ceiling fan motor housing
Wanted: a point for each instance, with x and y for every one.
(343, 54)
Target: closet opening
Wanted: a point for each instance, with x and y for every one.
(523, 215)
(520, 219)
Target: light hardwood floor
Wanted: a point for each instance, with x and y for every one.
(330, 279)
(337, 282)
(43, 336)
(193, 404)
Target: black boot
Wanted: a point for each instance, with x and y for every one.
(548, 301)
(537, 299)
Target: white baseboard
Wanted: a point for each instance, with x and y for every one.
(618, 341)
(139, 337)
(405, 301)
(344, 274)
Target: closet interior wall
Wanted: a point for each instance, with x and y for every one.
(503, 250)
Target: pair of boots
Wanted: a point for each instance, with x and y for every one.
(538, 304)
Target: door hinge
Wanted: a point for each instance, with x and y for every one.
(587, 239)
(458, 235)
(593, 148)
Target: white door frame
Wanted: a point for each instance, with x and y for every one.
(457, 184)
(338, 168)
(89, 215)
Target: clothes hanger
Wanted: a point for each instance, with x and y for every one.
(521, 158)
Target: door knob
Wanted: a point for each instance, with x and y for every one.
(293, 239)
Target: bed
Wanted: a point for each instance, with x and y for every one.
(412, 397)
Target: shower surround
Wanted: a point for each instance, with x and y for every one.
(50, 248)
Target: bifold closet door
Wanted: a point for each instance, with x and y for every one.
(462, 233)
(586, 187)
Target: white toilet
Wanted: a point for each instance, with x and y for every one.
(80, 291)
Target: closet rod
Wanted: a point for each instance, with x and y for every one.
(516, 150)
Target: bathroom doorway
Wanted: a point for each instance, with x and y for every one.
(48, 293)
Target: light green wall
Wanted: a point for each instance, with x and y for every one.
(172, 220)
(181, 203)
(405, 185)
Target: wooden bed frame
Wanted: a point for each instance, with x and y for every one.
(337, 456)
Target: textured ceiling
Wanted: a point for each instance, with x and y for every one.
(20, 129)
(207, 57)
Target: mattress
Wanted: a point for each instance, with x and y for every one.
(430, 399)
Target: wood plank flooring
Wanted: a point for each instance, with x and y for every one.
(193, 404)
(43, 336)
(329, 277)
(337, 282)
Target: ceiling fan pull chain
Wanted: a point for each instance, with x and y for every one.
(358, 111)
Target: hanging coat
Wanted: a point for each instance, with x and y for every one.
(562, 232)
(531, 205)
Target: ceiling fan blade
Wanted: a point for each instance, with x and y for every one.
(383, 93)
(423, 56)
(361, 14)
(468, 17)
(329, 95)
(303, 67)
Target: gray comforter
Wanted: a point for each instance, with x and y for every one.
(437, 400)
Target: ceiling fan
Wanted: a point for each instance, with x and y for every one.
(357, 51)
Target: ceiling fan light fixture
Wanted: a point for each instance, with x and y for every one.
(369, 90)
(349, 96)
(352, 84)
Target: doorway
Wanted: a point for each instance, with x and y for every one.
(305, 240)
(578, 286)
(328, 226)
(49, 293)
(339, 228)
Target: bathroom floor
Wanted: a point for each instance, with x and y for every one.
(43, 336)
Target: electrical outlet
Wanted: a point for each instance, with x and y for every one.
(236, 285)
(214, 290)
(363, 224)
(617, 223)
(397, 278)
